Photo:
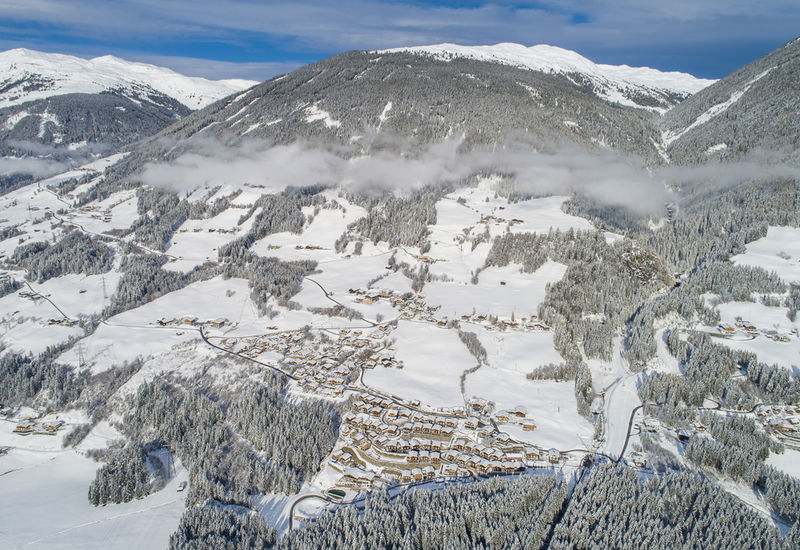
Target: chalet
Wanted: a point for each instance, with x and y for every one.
(471, 423)
(529, 425)
(458, 444)
(417, 474)
(219, 322)
(53, 427)
(554, 456)
(477, 403)
(450, 455)
(25, 427)
(406, 476)
(501, 416)
(412, 457)
(638, 460)
(449, 470)
(392, 429)
(424, 456)
(428, 472)
(494, 467)
(519, 411)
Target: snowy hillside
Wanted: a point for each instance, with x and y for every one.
(28, 75)
(618, 84)
(752, 109)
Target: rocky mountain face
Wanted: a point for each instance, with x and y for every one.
(754, 108)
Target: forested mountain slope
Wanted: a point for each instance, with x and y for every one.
(754, 110)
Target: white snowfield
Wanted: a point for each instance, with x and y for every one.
(65, 74)
(611, 81)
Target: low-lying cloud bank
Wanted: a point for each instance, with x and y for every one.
(606, 177)
(10, 166)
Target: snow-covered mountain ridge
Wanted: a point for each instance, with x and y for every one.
(28, 75)
(615, 83)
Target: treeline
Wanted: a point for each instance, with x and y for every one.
(218, 527)
(279, 213)
(560, 372)
(400, 221)
(614, 508)
(23, 378)
(257, 442)
(123, 478)
(611, 507)
(473, 345)
(497, 513)
(270, 277)
(735, 459)
(76, 252)
(713, 224)
(707, 370)
(735, 446)
(295, 437)
(601, 289)
(143, 281)
(7, 286)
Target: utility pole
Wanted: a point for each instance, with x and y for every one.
(105, 295)
(81, 360)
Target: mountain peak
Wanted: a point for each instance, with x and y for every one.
(615, 83)
(29, 75)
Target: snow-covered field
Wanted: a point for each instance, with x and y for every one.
(44, 502)
(779, 251)
(434, 359)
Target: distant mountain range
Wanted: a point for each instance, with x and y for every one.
(61, 106)
(28, 75)
(64, 107)
(482, 95)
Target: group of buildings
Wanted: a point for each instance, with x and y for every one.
(385, 442)
(782, 420)
(742, 326)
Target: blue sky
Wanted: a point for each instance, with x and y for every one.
(259, 39)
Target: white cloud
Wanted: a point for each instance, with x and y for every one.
(36, 167)
(606, 30)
